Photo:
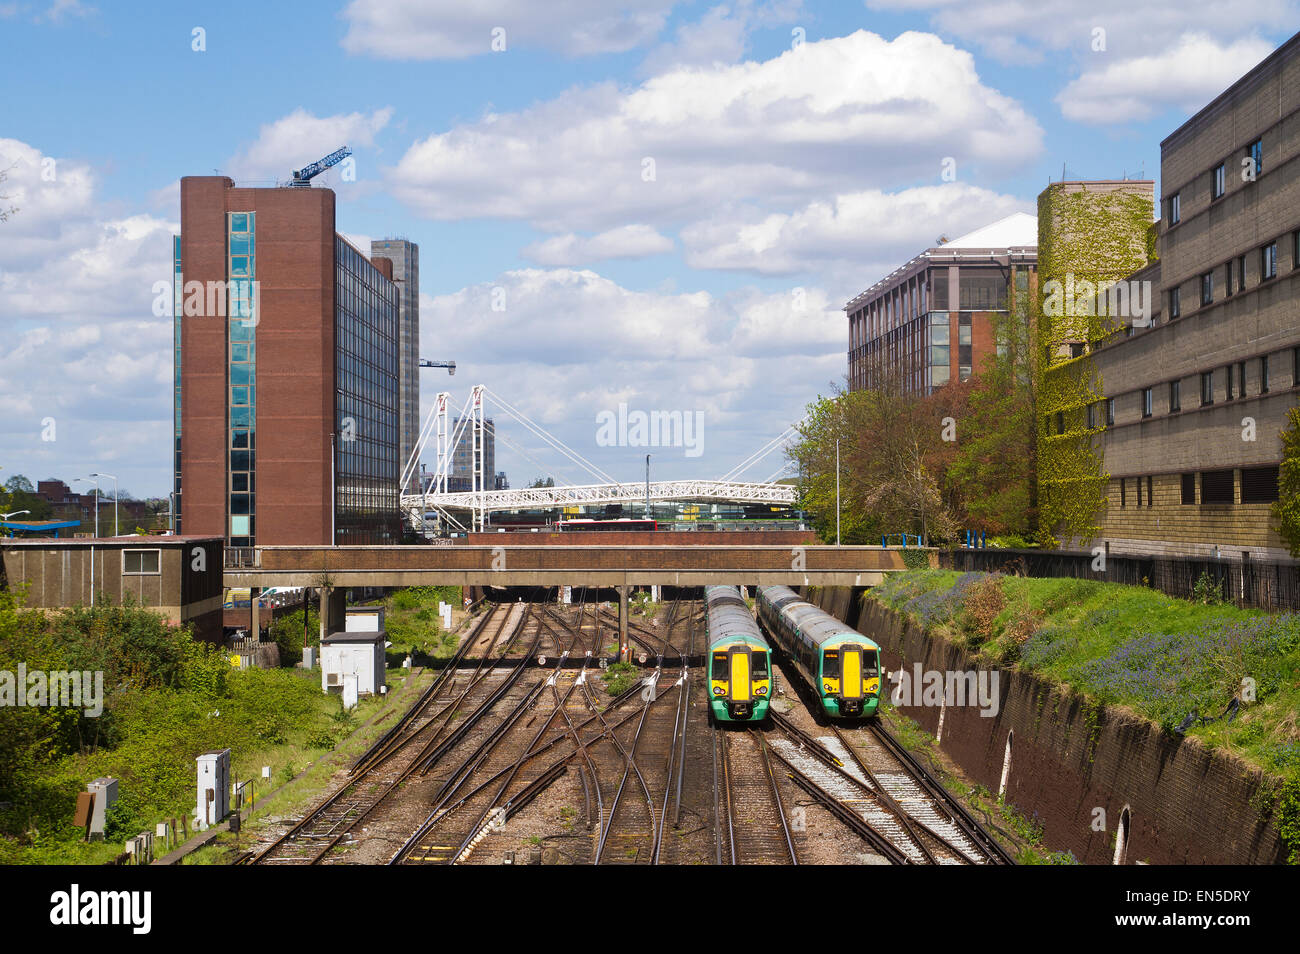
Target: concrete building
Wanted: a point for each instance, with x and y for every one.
(179, 577)
(287, 387)
(405, 257)
(1198, 398)
(930, 321)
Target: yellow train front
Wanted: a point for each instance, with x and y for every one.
(839, 664)
(740, 660)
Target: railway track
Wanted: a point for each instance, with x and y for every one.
(751, 827)
(863, 777)
(402, 751)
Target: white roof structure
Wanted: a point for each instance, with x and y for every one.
(1016, 235)
(1015, 231)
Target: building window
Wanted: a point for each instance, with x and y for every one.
(1123, 501)
(1241, 273)
(1227, 373)
(1092, 416)
(1174, 207)
(1189, 488)
(1295, 249)
(1151, 494)
(1110, 411)
(1217, 182)
(1216, 487)
(1175, 396)
(1146, 402)
(1076, 349)
(1227, 279)
(1255, 152)
(1268, 262)
(1207, 288)
(1137, 483)
(141, 562)
(1263, 374)
(1207, 388)
(1060, 422)
(1295, 367)
(1174, 309)
(1241, 379)
(1259, 484)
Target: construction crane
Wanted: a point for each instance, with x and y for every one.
(449, 365)
(302, 177)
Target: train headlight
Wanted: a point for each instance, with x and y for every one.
(761, 690)
(718, 690)
(828, 687)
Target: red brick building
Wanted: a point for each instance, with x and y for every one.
(930, 321)
(287, 372)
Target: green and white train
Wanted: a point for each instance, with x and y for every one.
(839, 664)
(740, 660)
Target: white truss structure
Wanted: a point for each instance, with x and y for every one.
(434, 498)
(548, 498)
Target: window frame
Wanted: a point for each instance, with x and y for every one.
(140, 551)
(1218, 181)
(1175, 208)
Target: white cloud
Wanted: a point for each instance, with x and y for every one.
(845, 233)
(293, 141)
(76, 293)
(626, 241)
(572, 343)
(1016, 31)
(825, 118)
(446, 29)
(1187, 75)
(721, 35)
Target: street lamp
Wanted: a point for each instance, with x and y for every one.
(647, 486)
(837, 491)
(114, 479)
(6, 516)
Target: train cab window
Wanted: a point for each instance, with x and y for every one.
(831, 664)
(871, 664)
(720, 667)
(758, 662)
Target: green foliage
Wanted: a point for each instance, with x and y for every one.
(1286, 511)
(1288, 818)
(1085, 239)
(620, 677)
(995, 468)
(1207, 590)
(288, 633)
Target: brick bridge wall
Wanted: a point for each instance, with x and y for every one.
(1188, 804)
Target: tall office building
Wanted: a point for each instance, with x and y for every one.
(287, 345)
(930, 321)
(405, 257)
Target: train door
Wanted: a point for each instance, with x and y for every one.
(851, 668)
(741, 690)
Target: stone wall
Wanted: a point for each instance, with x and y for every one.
(1186, 804)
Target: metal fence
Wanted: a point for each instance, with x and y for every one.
(1244, 582)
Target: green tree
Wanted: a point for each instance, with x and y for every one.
(995, 466)
(1287, 508)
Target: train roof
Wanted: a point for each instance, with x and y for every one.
(816, 624)
(730, 618)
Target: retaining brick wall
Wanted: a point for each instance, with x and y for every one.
(1187, 804)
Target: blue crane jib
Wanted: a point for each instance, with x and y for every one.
(302, 177)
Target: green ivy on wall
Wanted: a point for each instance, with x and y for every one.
(1098, 237)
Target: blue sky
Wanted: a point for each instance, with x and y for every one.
(797, 151)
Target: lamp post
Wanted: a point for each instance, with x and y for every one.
(647, 486)
(114, 479)
(837, 491)
(92, 545)
(6, 516)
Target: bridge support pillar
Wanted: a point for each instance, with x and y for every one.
(255, 616)
(333, 609)
(624, 650)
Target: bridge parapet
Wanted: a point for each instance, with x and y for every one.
(509, 564)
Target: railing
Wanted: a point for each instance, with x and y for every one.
(243, 558)
(1253, 583)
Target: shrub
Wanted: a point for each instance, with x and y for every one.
(983, 602)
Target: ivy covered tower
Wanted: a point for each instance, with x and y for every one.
(1091, 236)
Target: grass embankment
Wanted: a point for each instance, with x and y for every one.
(166, 699)
(1161, 657)
(411, 618)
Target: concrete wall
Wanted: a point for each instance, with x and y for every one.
(1186, 804)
